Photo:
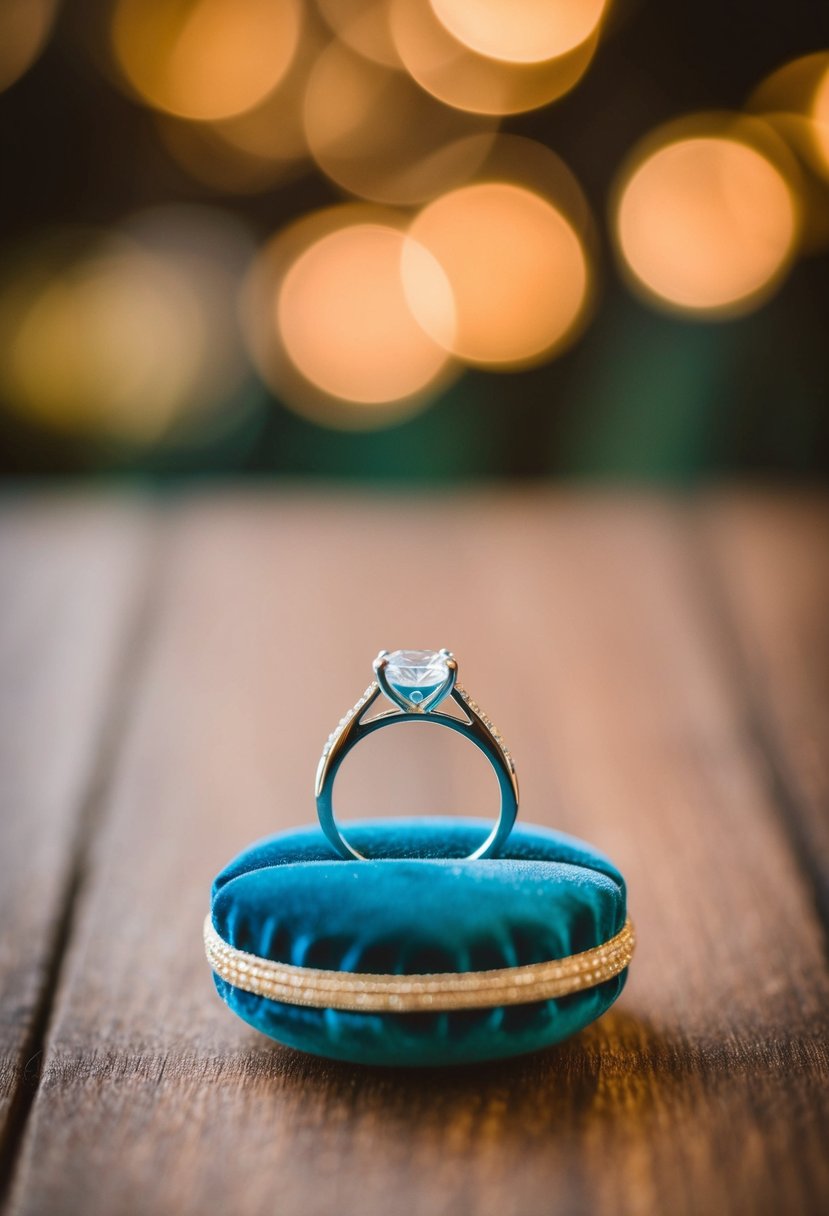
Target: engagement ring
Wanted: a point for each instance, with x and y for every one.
(417, 683)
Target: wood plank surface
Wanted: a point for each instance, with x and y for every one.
(771, 559)
(71, 577)
(588, 629)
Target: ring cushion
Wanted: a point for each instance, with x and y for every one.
(419, 907)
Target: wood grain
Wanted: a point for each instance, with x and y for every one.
(71, 576)
(586, 628)
(770, 556)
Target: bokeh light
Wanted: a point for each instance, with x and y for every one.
(535, 167)
(520, 31)
(345, 320)
(375, 133)
(258, 149)
(205, 59)
(517, 269)
(461, 77)
(25, 26)
(200, 150)
(820, 116)
(362, 25)
(330, 326)
(706, 222)
(795, 100)
(450, 244)
(121, 335)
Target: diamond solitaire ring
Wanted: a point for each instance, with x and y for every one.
(419, 684)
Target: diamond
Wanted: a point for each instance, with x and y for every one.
(416, 673)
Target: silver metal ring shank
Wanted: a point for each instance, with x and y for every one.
(353, 729)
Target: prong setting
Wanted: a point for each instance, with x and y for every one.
(423, 678)
(380, 664)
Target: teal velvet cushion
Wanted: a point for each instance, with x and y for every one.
(417, 908)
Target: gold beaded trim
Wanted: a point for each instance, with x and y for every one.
(364, 992)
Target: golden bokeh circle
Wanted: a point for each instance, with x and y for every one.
(819, 114)
(124, 334)
(517, 269)
(378, 135)
(311, 377)
(346, 322)
(520, 31)
(705, 221)
(206, 59)
(25, 26)
(363, 26)
(107, 344)
(461, 77)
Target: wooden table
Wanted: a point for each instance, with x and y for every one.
(169, 672)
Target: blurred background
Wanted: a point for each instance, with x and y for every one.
(414, 240)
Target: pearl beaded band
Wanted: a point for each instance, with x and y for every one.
(367, 993)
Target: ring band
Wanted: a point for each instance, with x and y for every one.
(369, 993)
(416, 682)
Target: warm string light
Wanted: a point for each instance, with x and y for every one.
(520, 31)
(356, 315)
(376, 134)
(819, 116)
(331, 279)
(208, 59)
(345, 320)
(25, 26)
(126, 334)
(516, 269)
(459, 76)
(793, 101)
(362, 26)
(469, 247)
(705, 221)
(258, 149)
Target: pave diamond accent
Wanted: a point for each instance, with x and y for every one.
(475, 708)
(346, 718)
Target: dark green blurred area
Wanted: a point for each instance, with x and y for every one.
(643, 396)
(646, 398)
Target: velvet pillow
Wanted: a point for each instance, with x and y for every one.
(417, 909)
